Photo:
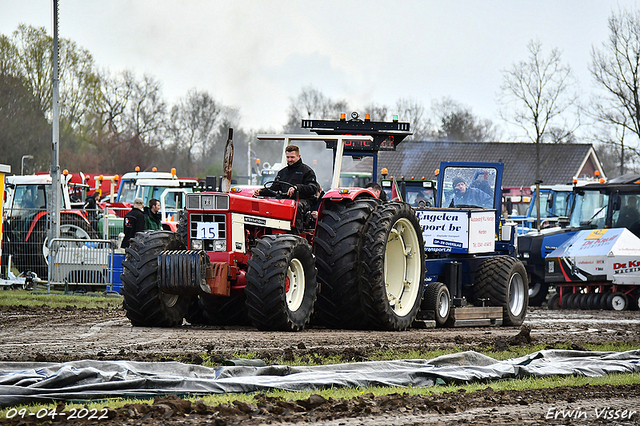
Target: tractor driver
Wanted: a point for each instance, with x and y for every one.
(463, 195)
(302, 178)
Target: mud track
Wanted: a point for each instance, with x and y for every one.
(46, 334)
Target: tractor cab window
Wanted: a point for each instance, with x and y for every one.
(29, 197)
(420, 197)
(469, 187)
(128, 191)
(629, 214)
(590, 209)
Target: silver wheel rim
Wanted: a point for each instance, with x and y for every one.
(516, 294)
(534, 290)
(66, 231)
(295, 286)
(443, 305)
(402, 267)
(169, 299)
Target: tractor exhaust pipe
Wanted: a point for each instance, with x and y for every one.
(228, 163)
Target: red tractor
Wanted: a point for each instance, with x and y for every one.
(236, 260)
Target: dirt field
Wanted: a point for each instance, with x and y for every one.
(45, 334)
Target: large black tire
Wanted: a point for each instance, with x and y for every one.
(221, 310)
(538, 293)
(336, 246)
(503, 280)
(554, 302)
(438, 299)
(282, 285)
(33, 254)
(144, 303)
(392, 262)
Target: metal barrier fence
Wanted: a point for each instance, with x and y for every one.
(24, 237)
(81, 263)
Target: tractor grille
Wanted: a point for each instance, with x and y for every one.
(208, 201)
(220, 219)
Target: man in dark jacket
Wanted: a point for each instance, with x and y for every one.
(152, 216)
(302, 183)
(133, 221)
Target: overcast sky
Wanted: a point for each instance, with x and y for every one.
(258, 55)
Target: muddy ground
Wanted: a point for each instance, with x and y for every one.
(45, 334)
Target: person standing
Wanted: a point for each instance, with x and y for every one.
(152, 216)
(133, 221)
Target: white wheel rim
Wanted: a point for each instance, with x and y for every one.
(516, 294)
(443, 305)
(295, 285)
(402, 268)
(66, 231)
(617, 303)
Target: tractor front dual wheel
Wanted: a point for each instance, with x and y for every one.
(144, 303)
(281, 283)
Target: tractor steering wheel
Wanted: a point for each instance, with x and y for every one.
(277, 193)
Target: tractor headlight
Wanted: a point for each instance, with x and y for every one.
(525, 255)
(220, 245)
(196, 244)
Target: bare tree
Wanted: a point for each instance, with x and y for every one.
(457, 123)
(412, 111)
(194, 125)
(311, 103)
(147, 111)
(616, 70)
(536, 93)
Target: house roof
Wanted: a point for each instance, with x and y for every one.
(559, 163)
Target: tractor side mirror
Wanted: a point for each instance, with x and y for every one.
(550, 201)
(616, 203)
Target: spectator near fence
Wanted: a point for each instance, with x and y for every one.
(133, 222)
(152, 216)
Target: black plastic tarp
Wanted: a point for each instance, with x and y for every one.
(23, 382)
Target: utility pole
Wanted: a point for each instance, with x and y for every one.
(56, 196)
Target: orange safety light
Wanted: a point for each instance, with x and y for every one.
(384, 171)
(390, 177)
(575, 181)
(65, 172)
(116, 178)
(367, 117)
(436, 172)
(257, 161)
(137, 168)
(173, 171)
(343, 116)
(422, 177)
(596, 173)
(155, 169)
(402, 177)
(100, 178)
(601, 180)
(412, 178)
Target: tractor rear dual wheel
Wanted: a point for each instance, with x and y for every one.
(144, 303)
(503, 281)
(393, 266)
(282, 283)
(336, 246)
